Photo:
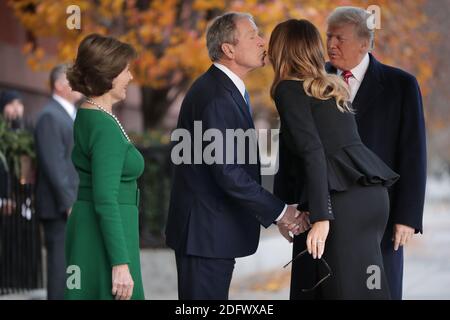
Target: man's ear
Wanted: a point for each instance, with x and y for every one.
(228, 50)
(58, 85)
(365, 46)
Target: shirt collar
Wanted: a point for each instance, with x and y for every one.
(360, 70)
(69, 107)
(236, 80)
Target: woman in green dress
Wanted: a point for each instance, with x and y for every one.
(102, 239)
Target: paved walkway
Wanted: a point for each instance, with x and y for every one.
(427, 264)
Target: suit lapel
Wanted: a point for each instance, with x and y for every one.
(234, 92)
(242, 106)
(370, 87)
(330, 69)
(369, 90)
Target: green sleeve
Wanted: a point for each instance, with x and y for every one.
(107, 158)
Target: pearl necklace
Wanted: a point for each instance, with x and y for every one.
(113, 116)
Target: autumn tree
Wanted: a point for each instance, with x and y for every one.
(170, 38)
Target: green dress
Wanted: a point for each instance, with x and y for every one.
(102, 230)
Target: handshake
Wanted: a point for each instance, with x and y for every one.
(293, 221)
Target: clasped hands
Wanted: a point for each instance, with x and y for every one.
(293, 221)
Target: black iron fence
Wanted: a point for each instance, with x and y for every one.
(20, 240)
(154, 185)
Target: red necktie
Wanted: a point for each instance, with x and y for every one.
(346, 75)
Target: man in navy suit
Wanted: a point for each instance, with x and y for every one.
(217, 208)
(390, 119)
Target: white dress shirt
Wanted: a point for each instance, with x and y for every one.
(358, 75)
(240, 85)
(69, 107)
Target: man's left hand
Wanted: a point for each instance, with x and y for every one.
(402, 234)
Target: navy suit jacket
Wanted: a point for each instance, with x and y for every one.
(390, 120)
(216, 210)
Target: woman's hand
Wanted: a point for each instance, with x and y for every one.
(317, 236)
(122, 282)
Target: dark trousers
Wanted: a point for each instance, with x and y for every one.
(54, 234)
(393, 264)
(201, 278)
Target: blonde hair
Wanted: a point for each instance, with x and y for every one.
(296, 52)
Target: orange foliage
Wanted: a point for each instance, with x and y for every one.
(170, 35)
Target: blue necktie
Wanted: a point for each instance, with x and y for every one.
(247, 100)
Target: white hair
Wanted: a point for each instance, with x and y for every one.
(355, 16)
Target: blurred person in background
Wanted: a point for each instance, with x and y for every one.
(57, 180)
(11, 109)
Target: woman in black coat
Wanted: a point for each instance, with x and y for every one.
(328, 171)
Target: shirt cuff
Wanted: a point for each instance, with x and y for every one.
(282, 213)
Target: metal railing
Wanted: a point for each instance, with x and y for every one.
(20, 239)
(155, 186)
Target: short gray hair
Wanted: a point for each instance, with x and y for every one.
(355, 16)
(56, 73)
(223, 30)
